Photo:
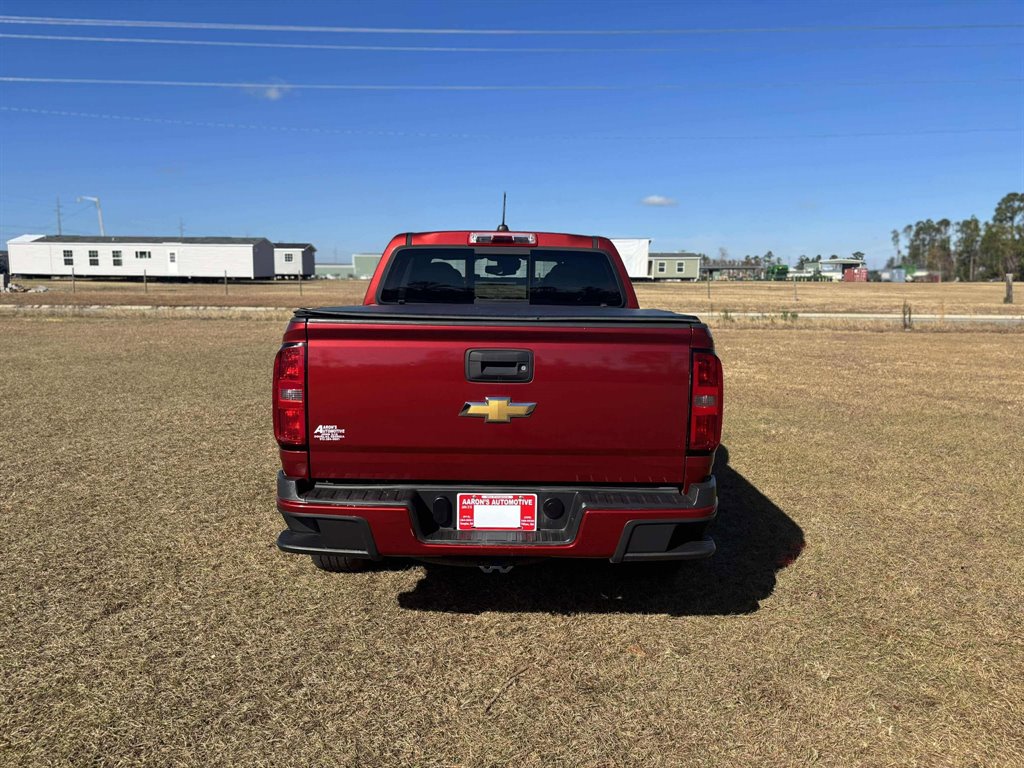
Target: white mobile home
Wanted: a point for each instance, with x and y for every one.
(634, 253)
(674, 266)
(294, 259)
(135, 256)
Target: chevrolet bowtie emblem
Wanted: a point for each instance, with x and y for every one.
(498, 409)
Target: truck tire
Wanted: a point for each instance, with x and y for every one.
(339, 563)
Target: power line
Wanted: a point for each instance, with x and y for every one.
(566, 136)
(245, 126)
(23, 227)
(280, 86)
(71, 22)
(39, 227)
(82, 209)
(464, 49)
(5, 196)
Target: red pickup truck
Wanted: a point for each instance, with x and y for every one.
(498, 397)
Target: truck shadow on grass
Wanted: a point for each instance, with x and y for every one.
(755, 540)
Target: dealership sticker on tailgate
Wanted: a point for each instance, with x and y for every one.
(329, 433)
(497, 512)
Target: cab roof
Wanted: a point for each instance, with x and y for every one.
(543, 239)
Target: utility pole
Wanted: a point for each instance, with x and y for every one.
(181, 228)
(99, 211)
(60, 231)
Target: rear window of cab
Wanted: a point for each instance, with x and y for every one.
(463, 275)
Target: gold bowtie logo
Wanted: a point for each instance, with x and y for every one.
(498, 409)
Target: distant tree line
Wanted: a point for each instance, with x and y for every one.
(968, 249)
(724, 260)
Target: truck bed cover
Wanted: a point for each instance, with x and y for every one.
(495, 314)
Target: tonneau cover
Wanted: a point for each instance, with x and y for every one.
(496, 313)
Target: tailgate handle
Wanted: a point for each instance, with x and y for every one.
(499, 365)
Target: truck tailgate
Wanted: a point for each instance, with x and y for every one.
(384, 403)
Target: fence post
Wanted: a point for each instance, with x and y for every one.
(145, 282)
(795, 297)
(225, 282)
(300, 282)
(1008, 298)
(72, 279)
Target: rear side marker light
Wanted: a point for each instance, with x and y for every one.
(706, 402)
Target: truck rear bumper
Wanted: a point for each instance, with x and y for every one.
(621, 525)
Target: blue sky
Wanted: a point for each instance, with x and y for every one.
(811, 141)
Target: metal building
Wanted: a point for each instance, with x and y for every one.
(334, 271)
(135, 256)
(294, 259)
(365, 264)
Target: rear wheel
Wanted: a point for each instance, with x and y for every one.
(340, 563)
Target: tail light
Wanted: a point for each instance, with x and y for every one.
(290, 396)
(705, 402)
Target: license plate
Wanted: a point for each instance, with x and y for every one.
(497, 512)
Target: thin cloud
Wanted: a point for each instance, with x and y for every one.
(658, 201)
(269, 91)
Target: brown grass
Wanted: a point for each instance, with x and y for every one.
(769, 298)
(146, 616)
(776, 298)
(283, 293)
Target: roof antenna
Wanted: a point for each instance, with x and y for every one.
(503, 227)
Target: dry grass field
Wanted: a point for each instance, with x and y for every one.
(866, 606)
(772, 298)
(775, 298)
